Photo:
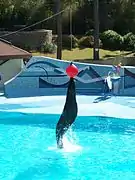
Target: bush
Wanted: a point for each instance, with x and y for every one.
(66, 41)
(26, 47)
(90, 33)
(129, 42)
(48, 47)
(111, 40)
(88, 41)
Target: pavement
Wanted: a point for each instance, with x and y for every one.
(110, 106)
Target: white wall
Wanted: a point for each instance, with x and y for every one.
(9, 69)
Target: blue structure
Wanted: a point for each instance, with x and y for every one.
(45, 76)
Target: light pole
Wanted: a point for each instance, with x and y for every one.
(96, 30)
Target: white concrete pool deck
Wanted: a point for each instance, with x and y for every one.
(120, 107)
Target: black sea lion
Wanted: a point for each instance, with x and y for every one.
(69, 113)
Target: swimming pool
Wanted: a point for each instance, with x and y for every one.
(97, 147)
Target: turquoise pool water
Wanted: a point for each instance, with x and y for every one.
(96, 148)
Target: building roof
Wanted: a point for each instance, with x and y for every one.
(8, 51)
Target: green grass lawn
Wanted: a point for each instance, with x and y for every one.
(85, 54)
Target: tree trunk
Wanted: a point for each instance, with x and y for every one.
(96, 30)
(59, 30)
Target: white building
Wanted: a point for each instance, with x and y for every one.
(11, 61)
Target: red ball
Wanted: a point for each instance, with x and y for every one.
(72, 70)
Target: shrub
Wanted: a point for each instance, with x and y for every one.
(48, 47)
(66, 41)
(26, 47)
(88, 41)
(129, 41)
(111, 40)
(90, 33)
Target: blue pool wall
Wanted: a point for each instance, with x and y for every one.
(44, 76)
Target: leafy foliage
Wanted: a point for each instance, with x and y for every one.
(66, 41)
(90, 32)
(118, 15)
(129, 41)
(111, 40)
(114, 14)
(48, 48)
(86, 41)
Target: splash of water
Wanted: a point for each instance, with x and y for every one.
(69, 142)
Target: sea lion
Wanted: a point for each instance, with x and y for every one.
(69, 113)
